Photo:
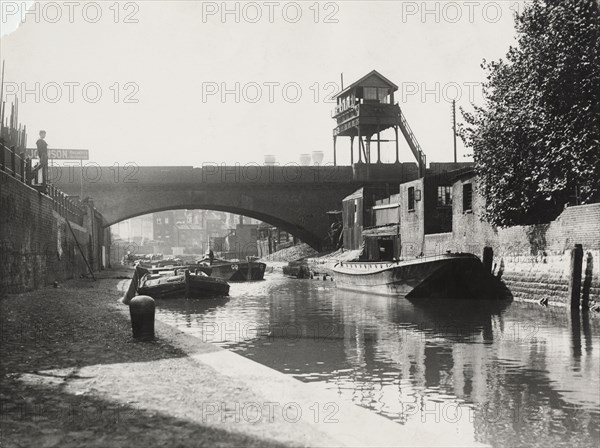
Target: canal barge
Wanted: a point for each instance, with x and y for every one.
(235, 271)
(180, 282)
(449, 275)
(297, 269)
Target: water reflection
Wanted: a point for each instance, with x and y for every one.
(499, 373)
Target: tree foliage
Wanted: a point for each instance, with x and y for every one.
(536, 140)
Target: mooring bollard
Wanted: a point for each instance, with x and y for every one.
(141, 309)
(575, 276)
(488, 258)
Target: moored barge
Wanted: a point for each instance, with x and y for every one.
(448, 275)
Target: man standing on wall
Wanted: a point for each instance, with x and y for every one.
(42, 148)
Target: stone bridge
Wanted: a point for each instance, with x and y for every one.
(292, 197)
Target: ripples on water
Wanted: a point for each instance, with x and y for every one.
(498, 373)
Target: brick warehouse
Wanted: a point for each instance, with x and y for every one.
(533, 260)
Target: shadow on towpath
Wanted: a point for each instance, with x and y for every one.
(48, 335)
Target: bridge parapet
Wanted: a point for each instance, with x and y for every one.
(247, 174)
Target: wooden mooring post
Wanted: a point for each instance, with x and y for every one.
(575, 276)
(488, 258)
(587, 282)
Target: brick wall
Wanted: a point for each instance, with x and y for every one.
(36, 245)
(437, 243)
(411, 229)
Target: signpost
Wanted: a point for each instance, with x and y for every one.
(64, 154)
(61, 154)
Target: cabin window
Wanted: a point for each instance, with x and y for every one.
(467, 197)
(411, 198)
(166, 220)
(383, 94)
(444, 196)
(158, 220)
(375, 93)
(370, 93)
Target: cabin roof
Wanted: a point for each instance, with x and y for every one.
(356, 195)
(461, 173)
(361, 81)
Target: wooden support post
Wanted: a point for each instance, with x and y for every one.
(359, 147)
(368, 148)
(351, 150)
(81, 250)
(587, 282)
(575, 322)
(397, 151)
(334, 151)
(575, 276)
(378, 146)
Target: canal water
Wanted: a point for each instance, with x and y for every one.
(497, 373)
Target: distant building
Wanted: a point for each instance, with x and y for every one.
(190, 238)
(164, 227)
(139, 228)
(242, 242)
(357, 214)
(271, 239)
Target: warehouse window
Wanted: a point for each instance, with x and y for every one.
(444, 196)
(467, 197)
(411, 198)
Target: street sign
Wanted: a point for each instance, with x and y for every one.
(61, 154)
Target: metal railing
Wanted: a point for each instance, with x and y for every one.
(413, 143)
(65, 206)
(18, 166)
(15, 164)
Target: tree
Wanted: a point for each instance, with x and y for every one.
(536, 140)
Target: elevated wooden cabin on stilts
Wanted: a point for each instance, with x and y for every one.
(366, 108)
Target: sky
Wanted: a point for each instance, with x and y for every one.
(191, 82)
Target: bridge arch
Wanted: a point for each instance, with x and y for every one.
(313, 240)
(296, 204)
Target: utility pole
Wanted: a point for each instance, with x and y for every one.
(454, 127)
